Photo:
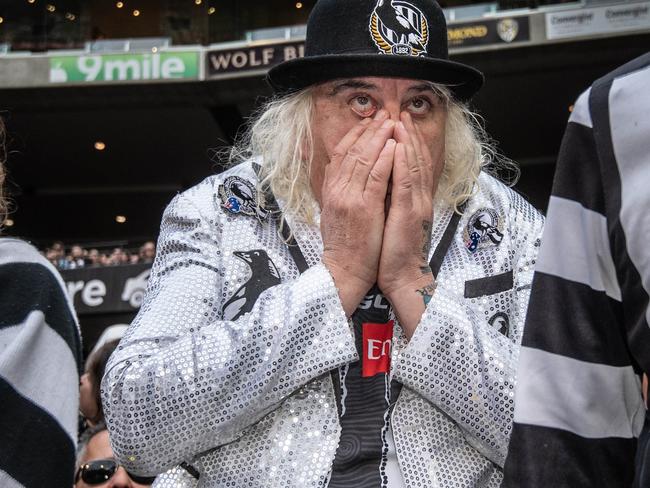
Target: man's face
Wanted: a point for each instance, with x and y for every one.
(98, 448)
(341, 104)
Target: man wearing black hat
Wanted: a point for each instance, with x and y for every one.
(344, 307)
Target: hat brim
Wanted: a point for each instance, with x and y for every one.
(293, 75)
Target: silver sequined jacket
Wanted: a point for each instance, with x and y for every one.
(250, 402)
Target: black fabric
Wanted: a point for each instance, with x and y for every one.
(340, 44)
(634, 296)
(581, 323)
(636, 302)
(578, 147)
(361, 449)
(35, 450)
(294, 249)
(556, 458)
(587, 325)
(29, 287)
(489, 285)
(191, 470)
(441, 250)
(642, 460)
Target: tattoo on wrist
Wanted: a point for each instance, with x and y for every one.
(426, 238)
(427, 292)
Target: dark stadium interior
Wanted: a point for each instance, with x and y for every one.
(161, 137)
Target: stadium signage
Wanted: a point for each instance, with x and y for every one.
(124, 67)
(253, 58)
(486, 32)
(111, 289)
(598, 20)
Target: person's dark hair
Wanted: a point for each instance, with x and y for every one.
(84, 439)
(95, 367)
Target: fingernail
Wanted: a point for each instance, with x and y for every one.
(382, 114)
(400, 124)
(366, 121)
(390, 142)
(387, 123)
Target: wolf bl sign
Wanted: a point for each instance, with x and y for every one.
(124, 67)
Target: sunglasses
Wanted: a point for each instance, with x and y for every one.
(101, 470)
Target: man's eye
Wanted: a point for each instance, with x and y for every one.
(363, 105)
(419, 106)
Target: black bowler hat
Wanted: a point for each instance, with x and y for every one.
(392, 38)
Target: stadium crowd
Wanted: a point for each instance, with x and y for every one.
(77, 256)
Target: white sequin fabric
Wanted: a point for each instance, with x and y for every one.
(250, 402)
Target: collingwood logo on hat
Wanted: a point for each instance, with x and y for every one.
(398, 27)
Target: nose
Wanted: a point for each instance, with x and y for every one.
(120, 479)
(393, 108)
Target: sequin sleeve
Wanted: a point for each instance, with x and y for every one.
(465, 366)
(183, 381)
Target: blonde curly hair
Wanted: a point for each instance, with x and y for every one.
(286, 169)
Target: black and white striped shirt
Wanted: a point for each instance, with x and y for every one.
(40, 360)
(578, 404)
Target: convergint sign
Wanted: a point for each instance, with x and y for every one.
(124, 67)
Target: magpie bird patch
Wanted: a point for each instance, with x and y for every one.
(483, 229)
(264, 275)
(238, 196)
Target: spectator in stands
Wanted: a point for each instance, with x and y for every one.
(97, 467)
(119, 257)
(105, 259)
(266, 357)
(56, 255)
(90, 403)
(76, 258)
(40, 359)
(147, 252)
(94, 257)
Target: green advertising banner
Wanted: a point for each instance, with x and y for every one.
(124, 67)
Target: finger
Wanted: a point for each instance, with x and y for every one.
(402, 184)
(341, 149)
(377, 184)
(412, 161)
(354, 148)
(413, 132)
(363, 155)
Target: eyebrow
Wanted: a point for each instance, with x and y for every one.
(351, 85)
(358, 84)
(424, 87)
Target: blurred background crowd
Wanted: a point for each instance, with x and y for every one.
(75, 256)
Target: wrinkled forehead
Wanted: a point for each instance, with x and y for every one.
(374, 84)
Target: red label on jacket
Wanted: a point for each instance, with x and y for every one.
(376, 348)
